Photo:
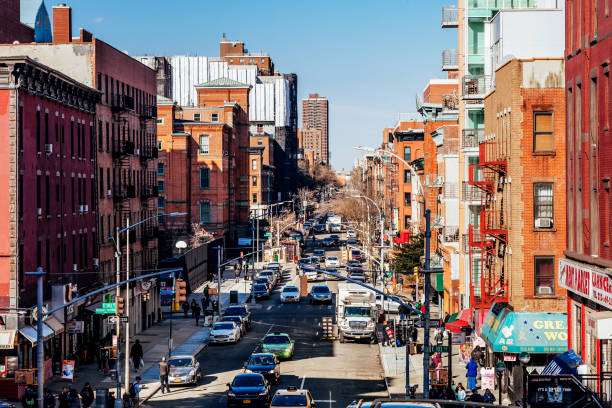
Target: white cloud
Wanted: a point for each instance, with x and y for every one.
(98, 20)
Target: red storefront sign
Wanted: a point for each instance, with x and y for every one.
(590, 282)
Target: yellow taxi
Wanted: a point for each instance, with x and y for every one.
(292, 397)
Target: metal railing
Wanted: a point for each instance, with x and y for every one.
(470, 192)
(450, 17)
(451, 190)
(434, 180)
(450, 102)
(450, 60)
(450, 234)
(470, 138)
(476, 86)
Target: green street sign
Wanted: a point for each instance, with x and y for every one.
(107, 308)
(268, 234)
(439, 349)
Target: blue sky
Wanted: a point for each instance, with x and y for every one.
(369, 58)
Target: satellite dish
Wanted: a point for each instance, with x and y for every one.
(181, 245)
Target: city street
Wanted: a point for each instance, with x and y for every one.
(335, 373)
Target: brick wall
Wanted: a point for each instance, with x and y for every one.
(11, 28)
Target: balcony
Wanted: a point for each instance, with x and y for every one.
(120, 103)
(434, 180)
(475, 87)
(451, 190)
(418, 164)
(450, 234)
(148, 112)
(450, 103)
(437, 222)
(450, 60)
(149, 192)
(471, 193)
(122, 148)
(471, 138)
(450, 17)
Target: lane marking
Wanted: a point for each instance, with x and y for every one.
(327, 400)
(303, 381)
(269, 307)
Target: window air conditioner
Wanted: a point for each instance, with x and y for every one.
(39, 211)
(543, 222)
(544, 290)
(48, 148)
(85, 208)
(109, 193)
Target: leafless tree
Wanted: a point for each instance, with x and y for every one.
(199, 235)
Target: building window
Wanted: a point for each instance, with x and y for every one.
(543, 201)
(407, 153)
(196, 117)
(161, 203)
(544, 275)
(543, 132)
(204, 144)
(407, 199)
(160, 169)
(160, 186)
(214, 117)
(577, 332)
(254, 181)
(205, 212)
(254, 164)
(38, 131)
(254, 198)
(407, 220)
(159, 145)
(204, 177)
(406, 176)
(160, 121)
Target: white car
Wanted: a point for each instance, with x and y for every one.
(332, 261)
(268, 274)
(224, 332)
(290, 294)
(311, 274)
(351, 234)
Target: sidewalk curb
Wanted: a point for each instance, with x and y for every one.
(380, 356)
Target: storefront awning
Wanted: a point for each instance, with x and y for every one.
(29, 333)
(514, 332)
(466, 315)
(452, 318)
(55, 325)
(456, 326)
(7, 339)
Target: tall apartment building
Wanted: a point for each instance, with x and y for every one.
(202, 167)
(12, 29)
(126, 147)
(315, 111)
(585, 270)
(488, 32)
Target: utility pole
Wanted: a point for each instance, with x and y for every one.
(40, 350)
(277, 233)
(127, 310)
(118, 328)
(219, 280)
(426, 311)
(257, 241)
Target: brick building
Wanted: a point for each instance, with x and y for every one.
(315, 115)
(234, 53)
(262, 172)
(311, 141)
(585, 272)
(202, 167)
(11, 28)
(49, 214)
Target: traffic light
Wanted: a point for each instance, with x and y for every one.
(181, 290)
(119, 305)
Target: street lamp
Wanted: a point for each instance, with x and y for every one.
(180, 245)
(499, 369)
(127, 297)
(382, 228)
(524, 358)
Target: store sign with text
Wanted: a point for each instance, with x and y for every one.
(590, 282)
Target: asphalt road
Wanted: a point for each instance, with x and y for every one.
(335, 373)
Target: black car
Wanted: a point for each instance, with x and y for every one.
(328, 242)
(353, 263)
(352, 241)
(319, 228)
(266, 364)
(249, 389)
(240, 310)
(335, 238)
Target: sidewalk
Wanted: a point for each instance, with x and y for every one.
(187, 339)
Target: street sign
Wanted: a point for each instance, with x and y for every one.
(244, 241)
(113, 319)
(107, 308)
(268, 234)
(439, 349)
(433, 324)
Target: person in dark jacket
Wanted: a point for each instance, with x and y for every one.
(163, 374)
(192, 306)
(29, 399)
(475, 397)
(488, 396)
(63, 398)
(472, 372)
(185, 308)
(73, 399)
(49, 399)
(87, 395)
(196, 314)
(136, 354)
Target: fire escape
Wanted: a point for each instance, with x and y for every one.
(149, 193)
(122, 150)
(489, 237)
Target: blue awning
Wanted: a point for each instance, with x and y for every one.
(515, 332)
(29, 333)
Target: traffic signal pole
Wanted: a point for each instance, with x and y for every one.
(118, 328)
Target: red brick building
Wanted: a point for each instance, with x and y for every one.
(588, 49)
(11, 28)
(315, 115)
(234, 53)
(48, 206)
(203, 163)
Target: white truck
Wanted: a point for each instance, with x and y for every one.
(334, 223)
(356, 312)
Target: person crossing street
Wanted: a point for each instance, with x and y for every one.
(163, 374)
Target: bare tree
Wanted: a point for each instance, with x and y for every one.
(199, 235)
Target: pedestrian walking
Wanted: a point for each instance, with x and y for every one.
(87, 395)
(192, 307)
(63, 398)
(136, 354)
(214, 300)
(236, 273)
(246, 271)
(163, 374)
(185, 308)
(73, 399)
(472, 372)
(206, 291)
(205, 303)
(196, 314)
(134, 390)
(49, 399)
(29, 398)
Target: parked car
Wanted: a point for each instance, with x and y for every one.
(292, 397)
(351, 234)
(328, 242)
(352, 241)
(332, 261)
(319, 228)
(266, 364)
(279, 344)
(184, 369)
(320, 294)
(224, 332)
(240, 310)
(238, 320)
(290, 294)
(319, 252)
(248, 389)
(353, 263)
(261, 291)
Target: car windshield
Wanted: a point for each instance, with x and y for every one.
(291, 289)
(261, 360)
(331, 269)
(273, 266)
(263, 281)
(260, 287)
(235, 319)
(304, 260)
(276, 340)
(357, 311)
(180, 362)
(248, 381)
(223, 326)
(289, 401)
(320, 289)
(235, 311)
(355, 252)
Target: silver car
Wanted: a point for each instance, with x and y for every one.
(184, 370)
